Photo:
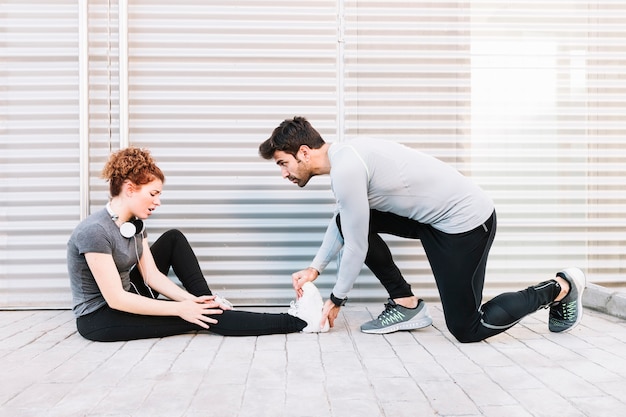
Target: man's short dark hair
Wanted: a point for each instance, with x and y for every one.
(289, 136)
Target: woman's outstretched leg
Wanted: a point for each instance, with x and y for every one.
(109, 325)
(247, 323)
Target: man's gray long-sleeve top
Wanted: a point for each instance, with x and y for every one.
(390, 177)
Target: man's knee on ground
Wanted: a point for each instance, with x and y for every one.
(492, 316)
(464, 333)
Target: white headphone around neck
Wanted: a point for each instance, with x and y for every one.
(127, 229)
(131, 228)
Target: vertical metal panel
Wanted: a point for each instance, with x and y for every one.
(39, 157)
(408, 79)
(208, 82)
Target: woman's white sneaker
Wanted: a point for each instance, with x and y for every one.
(309, 308)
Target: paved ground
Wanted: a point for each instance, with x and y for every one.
(47, 370)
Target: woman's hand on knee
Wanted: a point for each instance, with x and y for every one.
(198, 311)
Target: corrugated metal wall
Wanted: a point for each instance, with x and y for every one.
(39, 189)
(524, 97)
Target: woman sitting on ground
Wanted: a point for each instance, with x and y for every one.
(116, 277)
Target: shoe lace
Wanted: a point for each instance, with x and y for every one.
(565, 311)
(390, 314)
(293, 307)
(222, 300)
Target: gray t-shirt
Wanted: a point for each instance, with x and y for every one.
(390, 177)
(98, 233)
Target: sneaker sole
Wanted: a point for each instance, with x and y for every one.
(578, 279)
(317, 329)
(420, 324)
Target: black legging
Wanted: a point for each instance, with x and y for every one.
(458, 262)
(173, 250)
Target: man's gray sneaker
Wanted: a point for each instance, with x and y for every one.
(396, 317)
(566, 314)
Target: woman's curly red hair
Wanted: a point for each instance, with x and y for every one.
(133, 164)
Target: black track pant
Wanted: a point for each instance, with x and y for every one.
(458, 262)
(172, 250)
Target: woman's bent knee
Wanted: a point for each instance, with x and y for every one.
(174, 234)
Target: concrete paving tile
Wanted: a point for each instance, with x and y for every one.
(448, 399)
(545, 403)
(307, 399)
(263, 402)
(171, 395)
(390, 389)
(408, 408)
(505, 410)
(609, 342)
(213, 398)
(614, 361)
(14, 411)
(522, 355)
(65, 374)
(152, 366)
(426, 370)
(193, 361)
(268, 369)
(600, 406)
(334, 341)
(40, 396)
(356, 407)
(373, 346)
(513, 378)
(81, 400)
(564, 382)
(458, 364)
(126, 398)
(552, 350)
(271, 342)
(384, 367)
(204, 342)
(8, 391)
(614, 389)
(22, 339)
(237, 348)
(303, 350)
(527, 329)
(408, 353)
(229, 372)
(437, 344)
(593, 373)
(349, 387)
(484, 354)
(341, 363)
(509, 340)
(305, 373)
(483, 391)
(115, 369)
